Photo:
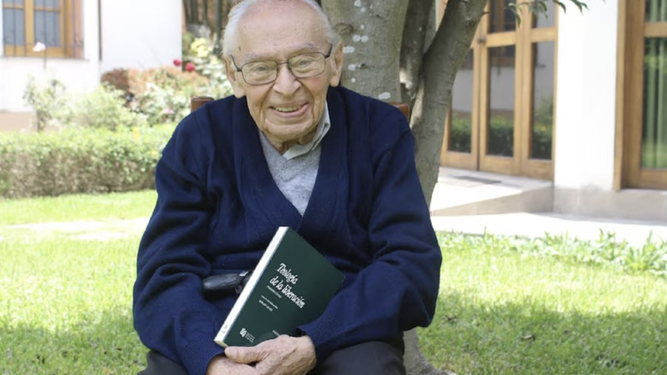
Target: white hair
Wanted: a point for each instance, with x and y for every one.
(231, 30)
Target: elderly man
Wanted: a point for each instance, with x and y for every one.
(289, 149)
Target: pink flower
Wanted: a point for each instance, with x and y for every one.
(167, 111)
(178, 62)
(189, 67)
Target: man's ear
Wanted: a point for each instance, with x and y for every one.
(233, 78)
(336, 65)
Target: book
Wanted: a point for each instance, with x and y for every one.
(291, 286)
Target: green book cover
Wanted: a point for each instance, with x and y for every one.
(291, 286)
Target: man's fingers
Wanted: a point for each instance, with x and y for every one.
(243, 355)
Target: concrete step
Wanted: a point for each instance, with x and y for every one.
(463, 192)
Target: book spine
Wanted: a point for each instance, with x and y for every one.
(250, 286)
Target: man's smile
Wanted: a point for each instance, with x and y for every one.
(291, 110)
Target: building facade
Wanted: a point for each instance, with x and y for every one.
(76, 41)
(577, 98)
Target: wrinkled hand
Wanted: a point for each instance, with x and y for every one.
(225, 366)
(283, 355)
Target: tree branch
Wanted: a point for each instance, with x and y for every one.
(451, 44)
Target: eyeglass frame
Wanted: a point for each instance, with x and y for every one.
(286, 62)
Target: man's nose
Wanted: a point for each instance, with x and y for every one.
(286, 83)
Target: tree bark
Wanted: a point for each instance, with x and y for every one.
(193, 22)
(371, 31)
(412, 48)
(441, 62)
(186, 10)
(217, 48)
(194, 11)
(204, 17)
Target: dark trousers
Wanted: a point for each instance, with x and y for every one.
(371, 358)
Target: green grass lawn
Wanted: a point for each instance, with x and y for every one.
(65, 306)
(502, 311)
(504, 308)
(77, 207)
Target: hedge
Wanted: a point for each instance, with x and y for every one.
(501, 137)
(79, 161)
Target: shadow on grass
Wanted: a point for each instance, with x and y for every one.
(472, 338)
(104, 343)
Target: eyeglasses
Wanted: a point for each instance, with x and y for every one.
(301, 66)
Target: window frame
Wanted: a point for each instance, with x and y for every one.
(67, 30)
(633, 31)
(522, 162)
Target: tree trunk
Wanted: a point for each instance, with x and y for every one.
(217, 48)
(193, 22)
(371, 31)
(186, 10)
(373, 34)
(412, 47)
(204, 17)
(441, 62)
(194, 11)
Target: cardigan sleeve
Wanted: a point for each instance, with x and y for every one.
(170, 313)
(398, 290)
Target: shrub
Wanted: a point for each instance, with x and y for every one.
(100, 108)
(459, 135)
(163, 94)
(160, 94)
(79, 161)
(501, 136)
(45, 99)
(125, 80)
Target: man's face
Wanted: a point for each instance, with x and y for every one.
(288, 108)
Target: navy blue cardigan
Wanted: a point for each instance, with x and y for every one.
(218, 207)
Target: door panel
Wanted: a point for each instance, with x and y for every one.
(513, 74)
(645, 95)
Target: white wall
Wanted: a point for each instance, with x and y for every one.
(586, 98)
(77, 74)
(140, 33)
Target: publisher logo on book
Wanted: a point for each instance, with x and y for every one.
(244, 333)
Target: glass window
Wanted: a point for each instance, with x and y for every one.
(502, 17)
(55, 24)
(502, 77)
(47, 28)
(654, 132)
(460, 132)
(543, 100)
(47, 3)
(656, 10)
(13, 27)
(548, 18)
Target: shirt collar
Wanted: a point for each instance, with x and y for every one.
(320, 132)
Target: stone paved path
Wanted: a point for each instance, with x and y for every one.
(89, 229)
(523, 224)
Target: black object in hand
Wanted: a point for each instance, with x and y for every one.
(226, 283)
